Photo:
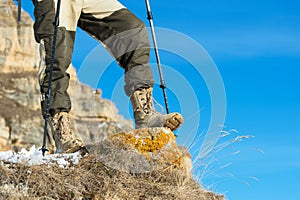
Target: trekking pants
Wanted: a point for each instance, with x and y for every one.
(108, 21)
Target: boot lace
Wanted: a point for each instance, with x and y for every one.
(148, 105)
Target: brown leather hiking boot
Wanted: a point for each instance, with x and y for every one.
(65, 140)
(145, 114)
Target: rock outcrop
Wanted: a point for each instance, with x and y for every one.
(18, 50)
(142, 151)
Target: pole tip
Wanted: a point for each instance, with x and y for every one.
(44, 149)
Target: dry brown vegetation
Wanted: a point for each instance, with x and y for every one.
(91, 179)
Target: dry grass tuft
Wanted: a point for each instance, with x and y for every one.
(91, 179)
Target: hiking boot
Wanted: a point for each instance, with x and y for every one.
(65, 140)
(145, 114)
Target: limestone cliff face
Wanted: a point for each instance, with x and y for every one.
(21, 124)
(18, 50)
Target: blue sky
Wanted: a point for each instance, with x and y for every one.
(256, 48)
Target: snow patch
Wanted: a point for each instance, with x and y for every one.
(34, 157)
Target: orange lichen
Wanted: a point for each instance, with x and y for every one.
(155, 143)
(147, 140)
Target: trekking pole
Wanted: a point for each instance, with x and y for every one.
(19, 10)
(162, 82)
(48, 95)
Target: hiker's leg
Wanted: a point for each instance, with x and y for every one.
(125, 37)
(60, 105)
(44, 28)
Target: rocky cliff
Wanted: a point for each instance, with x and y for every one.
(21, 124)
(14, 40)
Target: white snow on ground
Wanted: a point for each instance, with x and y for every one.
(34, 157)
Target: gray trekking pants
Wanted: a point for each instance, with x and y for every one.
(108, 21)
